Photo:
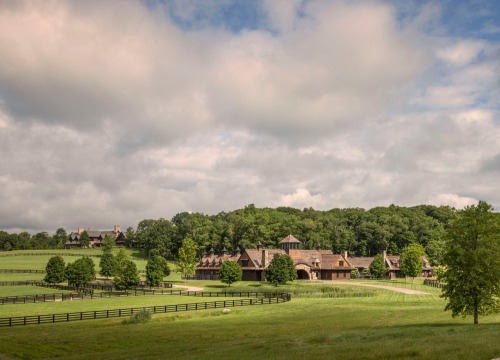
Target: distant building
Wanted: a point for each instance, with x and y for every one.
(392, 263)
(309, 264)
(96, 237)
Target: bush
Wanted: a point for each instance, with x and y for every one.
(142, 316)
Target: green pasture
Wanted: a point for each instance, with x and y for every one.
(27, 290)
(20, 277)
(383, 327)
(33, 261)
(323, 321)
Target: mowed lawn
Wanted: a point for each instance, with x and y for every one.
(387, 326)
(381, 325)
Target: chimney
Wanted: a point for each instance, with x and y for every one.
(237, 251)
(224, 251)
(90, 229)
(117, 229)
(318, 247)
(265, 258)
(211, 251)
(345, 255)
(80, 230)
(385, 254)
(259, 246)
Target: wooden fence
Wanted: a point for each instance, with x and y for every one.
(106, 314)
(434, 283)
(56, 297)
(200, 277)
(20, 271)
(49, 254)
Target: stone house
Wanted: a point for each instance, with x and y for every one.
(96, 237)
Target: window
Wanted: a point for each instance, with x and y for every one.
(244, 263)
(345, 274)
(341, 263)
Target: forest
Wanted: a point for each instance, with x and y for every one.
(360, 232)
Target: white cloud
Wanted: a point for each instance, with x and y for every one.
(453, 200)
(105, 121)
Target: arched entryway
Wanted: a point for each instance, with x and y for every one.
(302, 275)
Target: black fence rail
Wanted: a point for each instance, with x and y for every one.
(21, 271)
(90, 295)
(106, 314)
(49, 254)
(20, 283)
(200, 277)
(434, 283)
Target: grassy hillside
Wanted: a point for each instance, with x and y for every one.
(316, 324)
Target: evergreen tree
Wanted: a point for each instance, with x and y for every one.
(55, 270)
(281, 270)
(378, 267)
(472, 259)
(230, 272)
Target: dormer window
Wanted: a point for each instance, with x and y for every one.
(341, 263)
(244, 263)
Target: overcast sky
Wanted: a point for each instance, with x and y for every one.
(116, 111)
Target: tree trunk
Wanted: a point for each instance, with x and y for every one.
(476, 305)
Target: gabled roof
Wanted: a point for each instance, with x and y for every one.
(290, 239)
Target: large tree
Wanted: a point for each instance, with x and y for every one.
(79, 273)
(55, 270)
(84, 239)
(107, 264)
(230, 272)
(378, 268)
(156, 268)
(125, 275)
(410, 262)
(186, 259)
(473, 263)
(281, 270)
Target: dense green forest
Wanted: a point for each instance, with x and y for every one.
(358, 231)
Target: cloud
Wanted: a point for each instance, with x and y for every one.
(113, 112)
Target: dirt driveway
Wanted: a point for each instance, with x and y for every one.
(392, 288)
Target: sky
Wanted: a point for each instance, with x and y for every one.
(112, 112)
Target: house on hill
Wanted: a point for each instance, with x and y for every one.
(391, 262)
(309, 264)
(96, 237)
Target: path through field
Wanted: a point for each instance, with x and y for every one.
(392, 288)
(187, 288)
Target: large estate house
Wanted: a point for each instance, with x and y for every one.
(96, 237)
(309, 264)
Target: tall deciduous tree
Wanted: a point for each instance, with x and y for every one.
(156, 268)
(410, 262)
(55, 270)
(126, 276)
(230, 272)
(107, 264)
(108, 243)
(186, 259)
(378, 267)
(473, 263)
(80, 272)
(281, 270)
(84, 239)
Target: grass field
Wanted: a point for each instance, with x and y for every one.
(380, 324)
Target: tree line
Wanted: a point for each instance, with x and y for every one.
(360, 232)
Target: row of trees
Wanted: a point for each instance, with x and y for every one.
(358, 231)
(361, 232)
